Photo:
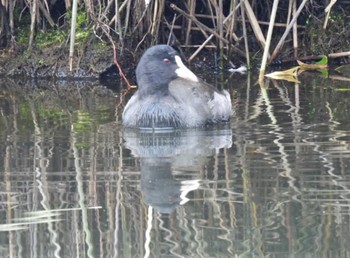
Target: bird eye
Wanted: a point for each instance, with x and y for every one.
(166, 61)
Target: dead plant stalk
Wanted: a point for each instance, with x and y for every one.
(72, 33)
(284, 36)
(268, 40)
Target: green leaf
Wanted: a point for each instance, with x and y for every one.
(323, 61)
(343, 89)
(324, 72)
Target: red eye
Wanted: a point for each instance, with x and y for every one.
(166, 61)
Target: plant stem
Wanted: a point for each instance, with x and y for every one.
(72, 33)
(268, 40)
(245, 35)
(281, 42)
(32, 23)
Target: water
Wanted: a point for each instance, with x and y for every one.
(276, 183)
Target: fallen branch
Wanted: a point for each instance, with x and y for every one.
(115, 61)
(105, 28)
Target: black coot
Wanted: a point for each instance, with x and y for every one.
(169, 95)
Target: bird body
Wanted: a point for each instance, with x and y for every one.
(169, 95)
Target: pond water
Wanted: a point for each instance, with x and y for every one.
(275, 183)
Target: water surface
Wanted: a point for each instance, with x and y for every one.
(274, 183)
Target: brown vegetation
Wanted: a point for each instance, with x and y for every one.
(235, 28)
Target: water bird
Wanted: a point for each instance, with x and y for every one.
(171, 96)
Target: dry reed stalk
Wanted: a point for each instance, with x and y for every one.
(127, 15)
(11, 22)
(199, 25)
(46, 4)
(33, 15)
(120, 9)
(38, 14)
(72, 33)
(212, 35)
(157, 17)
(154, 17)
(220, 25)
(200, 48)
(254, 23)
(140, 17)
(179, 27)
(295, 30)
(205, 28)
(339, 54)
(212, 16)
(245, 37)
(231, 27)
(328, 11)
(67, 3)
(118, 25)
(5, 3)
(207, 16)
(289, 12)
(145, 21)
(192, 6)
(277, 24)
(89, 7)
(197, 46)
(123, 5)
(284, 36)
(318, 57)
(171, 30)
(268, 40)
(107, 8)
(46, 11)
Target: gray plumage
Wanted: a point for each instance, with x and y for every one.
(169, 95)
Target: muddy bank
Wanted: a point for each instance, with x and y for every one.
(90, 62)
(93, 61)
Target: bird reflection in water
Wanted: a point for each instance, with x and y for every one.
(170, 162)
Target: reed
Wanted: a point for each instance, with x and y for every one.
(285, 34)
(33, 16)
(295, 30)
(268, 40)
(72, 34)
(245, 36)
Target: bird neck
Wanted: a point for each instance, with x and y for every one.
(155, 89)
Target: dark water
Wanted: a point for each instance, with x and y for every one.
(276, 183)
